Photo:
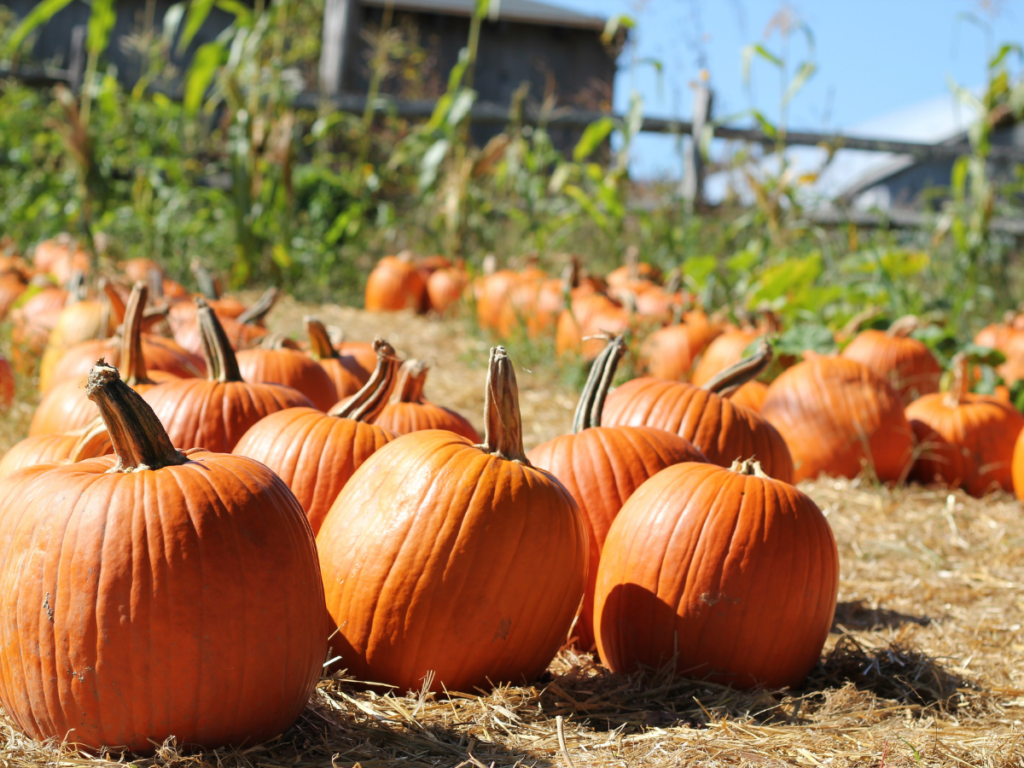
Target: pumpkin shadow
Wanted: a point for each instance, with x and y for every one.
(856, 615)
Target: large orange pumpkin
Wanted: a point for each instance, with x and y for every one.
(722, 431)
(838, 416)
(346, 371)
(907, 363)
(964, 439)
(727, 573)
(316, 453)
(153, 594)
(458, 560)
(408, 411)
(215, 412)
(395, 284)
(272, 363)
(603, 466)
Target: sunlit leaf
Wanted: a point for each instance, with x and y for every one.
(461, 106)
(101, 22)
(242, 13)
(781, 279)
(594, 135)
(698, 269)
(432, 160)
(38, 16)
(614, 24)
(201, 74)
(801, 337)
(756, 49)
(803, 74)
(195, 17)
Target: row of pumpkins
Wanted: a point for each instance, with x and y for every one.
(178, 586)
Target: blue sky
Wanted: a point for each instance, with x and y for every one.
(874, 57)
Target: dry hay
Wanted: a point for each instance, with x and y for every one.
(924, 665)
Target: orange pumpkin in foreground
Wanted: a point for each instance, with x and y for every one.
(722, 431)
(603, 466)
(317, 453)
(729, 573)
(464, 561)
(408, 411)
(838, 417)
(215, 412)
(964, 440)
(154, 594)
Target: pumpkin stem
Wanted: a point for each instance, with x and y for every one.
(854, 323)
(75, 287)
(114, 298)
(631, 258)
(366, 404)
(205, 280)
(903, 327)
(412, 377)
(133, 362)
(961, 380)
(136, 434)
(320, 347)
(220, 357)
(595, 391)
(92, 437)
(747, 369)
(749, 467)
(256, 313)
(278, 341)
(503, 424)
(155, 283)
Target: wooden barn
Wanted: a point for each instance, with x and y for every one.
(558, 52)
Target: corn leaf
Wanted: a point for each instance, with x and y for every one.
(204, 68)
(101, 22)
(594, 135)
(38, 16)
(198, 10)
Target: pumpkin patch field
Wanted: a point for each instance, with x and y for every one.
(773, 566)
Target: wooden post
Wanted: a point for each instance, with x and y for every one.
(76, 61)
(340, 30)
(693, 176)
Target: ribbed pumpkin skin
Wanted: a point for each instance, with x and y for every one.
(46, 449)
(198, 413)
(291, 369)
(602, 467)
(969, 444)
(184, 601)
(346, 373)
(64, 408)
(738, 572)
(829, 409)
(722, 352)
(393, 285)
(161, 355)
(722, 431)
(906, 363)
(313, 453)
(403, 418)
(439, 556)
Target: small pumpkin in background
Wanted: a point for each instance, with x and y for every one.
(215, 412)
(273, 363)
(395, 284)
(237, 618)
(6, 384)
(242, 332)
(724, 351)
(632, 270)
(89, 442)
(465, 561)
(347, 372)
(35, 318)
(61, 257)
(408, 411)
(838, 416)
(669, 353)
(12, 286)
(964, 440)
(446, 287)
(581, 328)
(699, 568)
(316, 453)
(722, 431)
(602, 467)
(906, 362)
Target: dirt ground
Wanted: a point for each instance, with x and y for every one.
(923, 666)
